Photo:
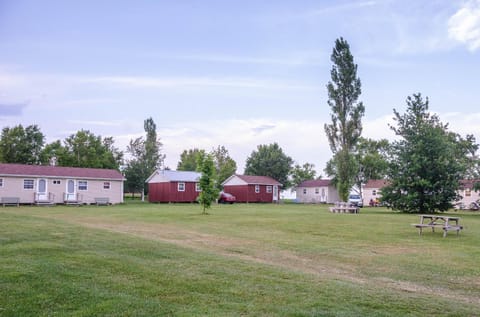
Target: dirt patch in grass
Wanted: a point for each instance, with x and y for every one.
(257, 252)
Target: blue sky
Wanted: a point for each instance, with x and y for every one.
(232, 73)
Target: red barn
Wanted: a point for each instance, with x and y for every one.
(166, 186)
(252, 189)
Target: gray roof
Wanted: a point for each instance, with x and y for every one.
(175, 176)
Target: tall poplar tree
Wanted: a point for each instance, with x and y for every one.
(346, 113)
(146, 158)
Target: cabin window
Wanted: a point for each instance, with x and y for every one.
(197, 187)
(374, 192)
(1, 182)
(304, 191)
(269, 189)
(82, 185)
(468, 192)
(181, 187)
(56, 182)
(317, 191)
(106, 185)
(257, 189)
(28, 183)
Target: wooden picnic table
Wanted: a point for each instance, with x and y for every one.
(446, 223)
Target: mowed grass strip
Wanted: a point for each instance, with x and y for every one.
(277, 261)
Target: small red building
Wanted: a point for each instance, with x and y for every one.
(252, 189)
(165, 186)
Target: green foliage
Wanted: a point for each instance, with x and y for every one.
(269, 160)
(153, 158)
(343, 168)
(225, 166)
(346, 127)
(146, 157)
(85, 149)
(189, 159)
(428, 161)
(21, 145)
(207, 182)
(302, 173)
(372, 158)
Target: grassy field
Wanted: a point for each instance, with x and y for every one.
(141, 259)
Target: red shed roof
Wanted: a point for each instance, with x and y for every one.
(58, 171)
(315, 183)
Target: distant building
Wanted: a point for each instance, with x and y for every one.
(372, 190)
(252, 189)
(166, 186)
(317, 191)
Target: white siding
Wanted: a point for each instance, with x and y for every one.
(13, 187)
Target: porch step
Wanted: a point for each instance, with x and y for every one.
(45, 203)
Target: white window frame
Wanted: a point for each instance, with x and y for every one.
(317, 191)
(269, 189)
(56, 182)
(29, 187)
(107, 185)
(1, 182)
(181, 187)
(257, 189)
(304, 191)
(82, 185)
(197, 187)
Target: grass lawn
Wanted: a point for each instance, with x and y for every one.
(140, 259)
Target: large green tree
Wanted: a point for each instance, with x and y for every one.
(225, 166)
(343, 133)
(207, 181)
(189, 159)
(300, 173)
(145, 158)
(85, 149)
(21, 145)
(428, 161)
(270, 160)
(372, 160)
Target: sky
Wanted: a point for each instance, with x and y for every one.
(232, 73)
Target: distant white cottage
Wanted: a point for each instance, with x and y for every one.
(317, 191)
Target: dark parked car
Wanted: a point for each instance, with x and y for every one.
(226, 198)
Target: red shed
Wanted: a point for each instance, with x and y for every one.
(166, 186)
(252, 189)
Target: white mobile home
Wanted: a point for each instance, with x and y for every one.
(317, 191)
(38, 184)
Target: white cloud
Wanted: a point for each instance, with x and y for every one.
(182, 82)
(464, 25)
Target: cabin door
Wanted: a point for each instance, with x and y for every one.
(42, 193)
(71, 195)
(275, 193)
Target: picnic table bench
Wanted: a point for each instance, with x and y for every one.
(102, 201)
(446, 223)
(343, 207)
(12, 201)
